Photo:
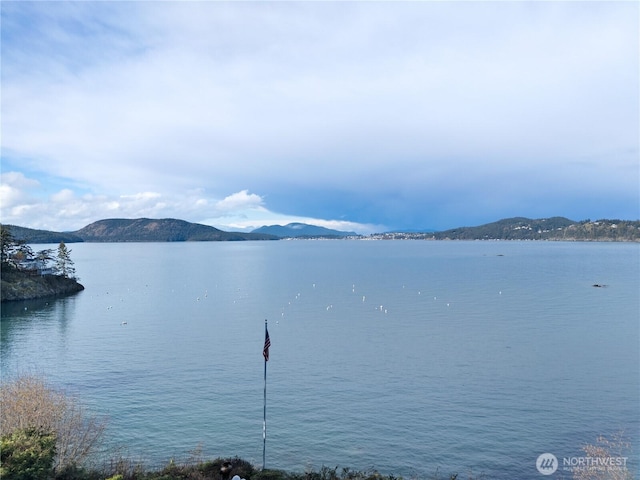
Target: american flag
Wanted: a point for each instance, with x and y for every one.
(267, 344)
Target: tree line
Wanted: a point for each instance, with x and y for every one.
(18, 255)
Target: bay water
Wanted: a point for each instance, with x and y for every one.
(415, 358)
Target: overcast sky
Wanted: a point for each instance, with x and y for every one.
(365, 116)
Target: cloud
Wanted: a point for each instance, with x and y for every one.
(12, 189)
(65, 210)
(239, 201)
(246, 211)
(373, 112)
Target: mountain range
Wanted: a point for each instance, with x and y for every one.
(136, 230)
(173, 230)
(302, 230)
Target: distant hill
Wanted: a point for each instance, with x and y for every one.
(302, 230)
(517, 228)
(554, 228)
(30, 235)
(172, 230)
(135, 230)
(163, 230)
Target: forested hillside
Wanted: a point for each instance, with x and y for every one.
(552, 229)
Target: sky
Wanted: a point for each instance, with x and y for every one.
(361, 116)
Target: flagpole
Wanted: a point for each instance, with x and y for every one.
(265, 353)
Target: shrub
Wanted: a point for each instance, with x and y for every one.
(605, 449)
(27, 455)
(227, 468)
(29, 404)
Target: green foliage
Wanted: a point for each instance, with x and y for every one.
(213, 470)
(162, 230)
(33, 236)
(8, 245)
(27, 454)
(17, 254)
(267, 474)
(327, 473)
(45, 256)
(223, 468)
(64, 264)
(30, 404)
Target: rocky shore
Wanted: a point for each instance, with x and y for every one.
(17, 285)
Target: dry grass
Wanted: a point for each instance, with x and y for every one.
(28, 402)
(608, 458)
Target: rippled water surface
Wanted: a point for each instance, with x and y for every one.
(406, 356)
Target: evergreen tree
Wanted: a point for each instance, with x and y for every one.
(64, 264)
(7, 245)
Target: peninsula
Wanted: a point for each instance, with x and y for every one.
(29, 275)
(23, 285)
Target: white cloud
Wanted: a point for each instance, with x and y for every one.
(63, 196)
(239, 201)
(142, 196)
(13, 187)
(244, 211)
(65, 210)
(382, 100)
(195, 93)
(251, 218)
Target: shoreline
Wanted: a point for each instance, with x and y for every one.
(19, 286)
